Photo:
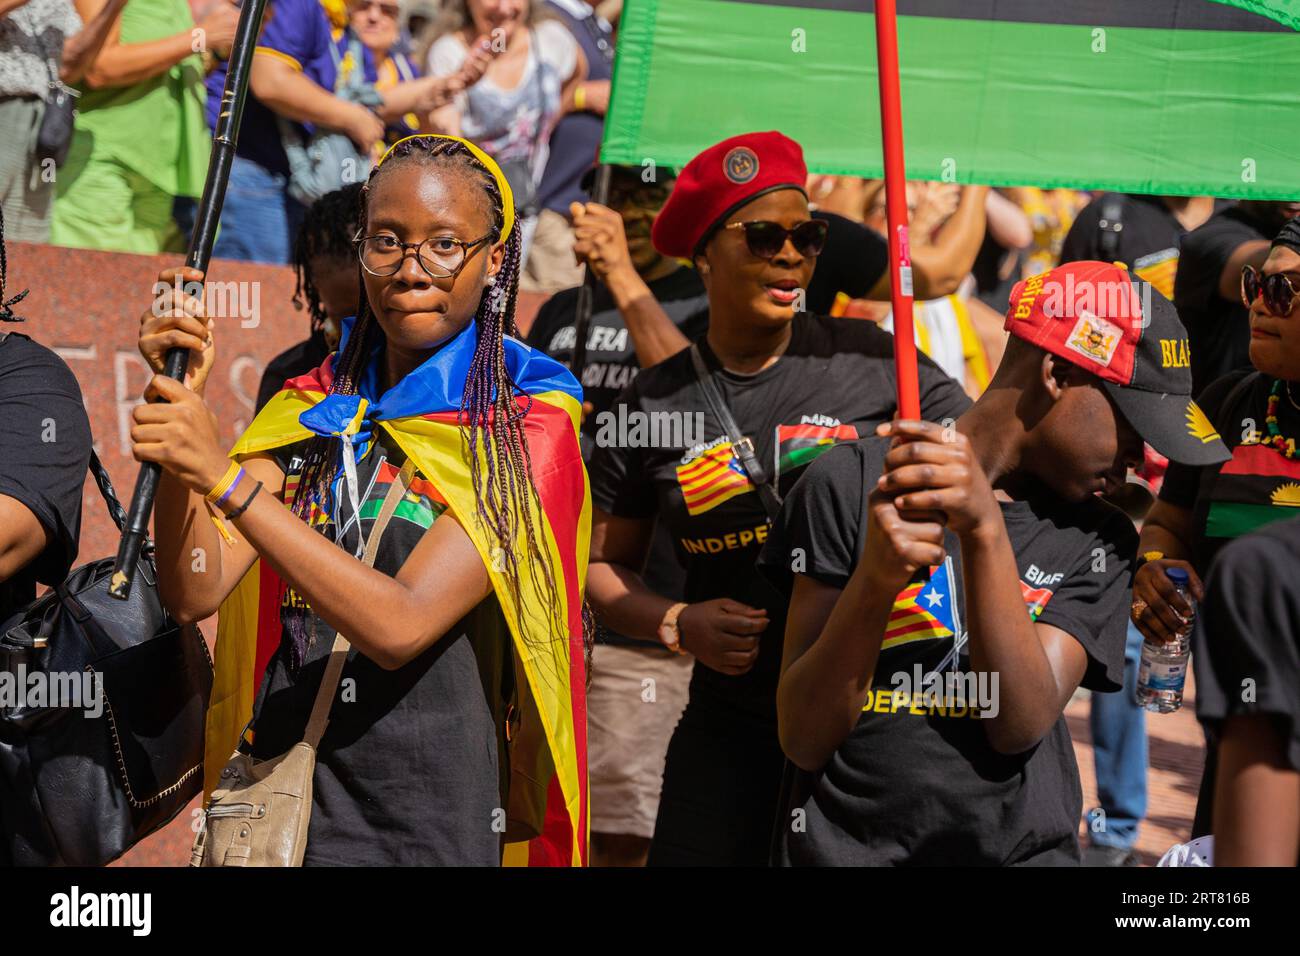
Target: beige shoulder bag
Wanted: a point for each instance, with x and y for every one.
(258, 814)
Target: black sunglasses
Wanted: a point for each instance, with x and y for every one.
(765, 239)
(1279, 294)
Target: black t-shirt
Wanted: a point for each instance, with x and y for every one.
(916, 781)
(854, 259)
(1252, 606)
(1148, 242)
(611, 359)
(296, 360)
(834, 382)
(408, 770)
(1217, 328)
(44, 456)
(611, 365)
(1257, 487)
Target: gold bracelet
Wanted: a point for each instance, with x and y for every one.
(580, 98)
(669, 623)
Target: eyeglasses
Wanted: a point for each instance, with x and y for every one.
(765, 239)
(1279, 294)
(441, 256)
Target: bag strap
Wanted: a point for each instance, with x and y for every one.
(320, 711)
(743, 447)
(106, 491)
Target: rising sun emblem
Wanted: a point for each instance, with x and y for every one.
(1287, 495)
(1198, 425)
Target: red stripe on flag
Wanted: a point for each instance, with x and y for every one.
(270, 591)
(714, 488)
(720, 474)
(838, 432)
(719, 495)
(1260, 460)
(560, 489)
(933, 624)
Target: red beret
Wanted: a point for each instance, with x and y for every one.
(721, 179)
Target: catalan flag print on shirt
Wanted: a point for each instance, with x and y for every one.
(923, 611)
(712, 478)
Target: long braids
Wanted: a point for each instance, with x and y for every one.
(491, 419)
(7, 305)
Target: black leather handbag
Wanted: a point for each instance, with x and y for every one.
(54, 138)
(80, 788)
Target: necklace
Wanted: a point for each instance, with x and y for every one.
(1291, 398)
(1285, 446)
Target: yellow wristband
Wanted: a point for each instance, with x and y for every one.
(1147, 557)
(222, 486)
(580, 97)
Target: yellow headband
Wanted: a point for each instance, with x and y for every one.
(507, 197)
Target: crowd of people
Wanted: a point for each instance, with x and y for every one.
(332, 85)
(782, 596)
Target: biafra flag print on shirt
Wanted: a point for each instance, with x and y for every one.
(1257, 487)
(797, 445)
(712, 478)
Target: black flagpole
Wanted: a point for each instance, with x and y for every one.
(205, 231)
(582, 324)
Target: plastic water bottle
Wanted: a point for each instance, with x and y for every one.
(1163, 670)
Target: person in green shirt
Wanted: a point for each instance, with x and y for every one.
(140, 139)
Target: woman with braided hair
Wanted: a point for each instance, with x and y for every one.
(458, 733)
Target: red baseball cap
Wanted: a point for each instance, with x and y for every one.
(1097, 316)
(719, 181)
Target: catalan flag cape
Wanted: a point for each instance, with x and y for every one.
(547, 813)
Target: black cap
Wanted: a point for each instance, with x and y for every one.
(1097, 316)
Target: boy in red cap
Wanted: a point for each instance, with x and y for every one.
(951, 588)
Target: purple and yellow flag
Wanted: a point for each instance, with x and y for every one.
(548, 810)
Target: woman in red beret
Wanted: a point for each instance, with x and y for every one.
(792, 384)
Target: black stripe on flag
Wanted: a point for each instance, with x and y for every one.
(1152, 14)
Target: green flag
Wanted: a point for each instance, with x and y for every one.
(1185, 97)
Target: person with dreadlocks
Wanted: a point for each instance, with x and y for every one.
(463, 693)
(324, 264)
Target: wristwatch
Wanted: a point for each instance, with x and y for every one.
(669, 633)
(1148, 556)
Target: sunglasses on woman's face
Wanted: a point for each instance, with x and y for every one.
(1279, 294)
(765, 239)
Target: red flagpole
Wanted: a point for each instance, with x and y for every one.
(900, 263)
